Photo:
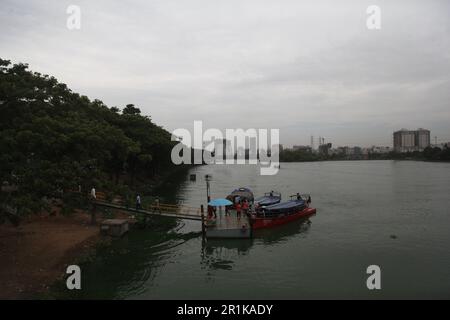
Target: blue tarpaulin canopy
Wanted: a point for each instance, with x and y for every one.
(267, 200)
(285, 207)
(220, 202)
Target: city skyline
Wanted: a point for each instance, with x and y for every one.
(315, 142)
(250, 64)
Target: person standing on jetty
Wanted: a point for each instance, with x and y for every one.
(245, 207)
(238, 210)
(138, 202)
(210, 213)
(157, 205)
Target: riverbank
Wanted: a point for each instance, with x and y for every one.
(35, 254)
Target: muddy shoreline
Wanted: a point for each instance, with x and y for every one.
(35, 254)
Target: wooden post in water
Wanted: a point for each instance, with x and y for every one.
(203, 221)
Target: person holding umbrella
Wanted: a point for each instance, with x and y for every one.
(218, 203)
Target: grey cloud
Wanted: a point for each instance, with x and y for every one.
(306, 67)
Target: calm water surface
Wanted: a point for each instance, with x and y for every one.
(390, 213)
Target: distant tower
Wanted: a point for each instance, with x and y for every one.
(312, 142)
(411, 140)
(435, 140)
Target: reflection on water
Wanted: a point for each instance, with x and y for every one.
(299, 228)
(221, 253)
(360, 205)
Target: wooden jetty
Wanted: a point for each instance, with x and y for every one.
(228, 226)
(222, 226)
(165, 210)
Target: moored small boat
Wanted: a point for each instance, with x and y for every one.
(283, 212)
(240, 194)
(267, 212)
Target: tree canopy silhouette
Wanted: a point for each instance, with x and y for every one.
(53, 139)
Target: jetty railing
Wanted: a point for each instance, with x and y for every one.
(166, 210)
(160, 209)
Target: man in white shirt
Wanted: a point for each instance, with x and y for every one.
(138, 202)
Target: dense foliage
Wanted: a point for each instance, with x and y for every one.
(437, 154)
(53, 140)
(429, 154)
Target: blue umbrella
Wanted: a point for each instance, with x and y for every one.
(220, 202)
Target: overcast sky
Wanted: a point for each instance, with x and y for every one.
(304, 67)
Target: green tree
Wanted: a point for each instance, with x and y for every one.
(53, 140)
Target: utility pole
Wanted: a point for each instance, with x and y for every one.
(208, 178)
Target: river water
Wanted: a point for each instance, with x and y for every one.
(394, 214)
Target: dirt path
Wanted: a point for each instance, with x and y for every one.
(35, 254)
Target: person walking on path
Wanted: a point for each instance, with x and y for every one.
(157, 207)
(94, 206)
(93, 196)
(138, 202)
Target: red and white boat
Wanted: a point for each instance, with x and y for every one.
(269, 212)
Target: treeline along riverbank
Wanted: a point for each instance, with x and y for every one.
(54, 141)
(429, 154)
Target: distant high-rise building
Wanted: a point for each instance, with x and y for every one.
(411, 140)
(423, 138)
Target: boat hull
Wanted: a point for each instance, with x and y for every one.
(267, 222)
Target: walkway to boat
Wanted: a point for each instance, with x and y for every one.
(165, 210)
(223, 226)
